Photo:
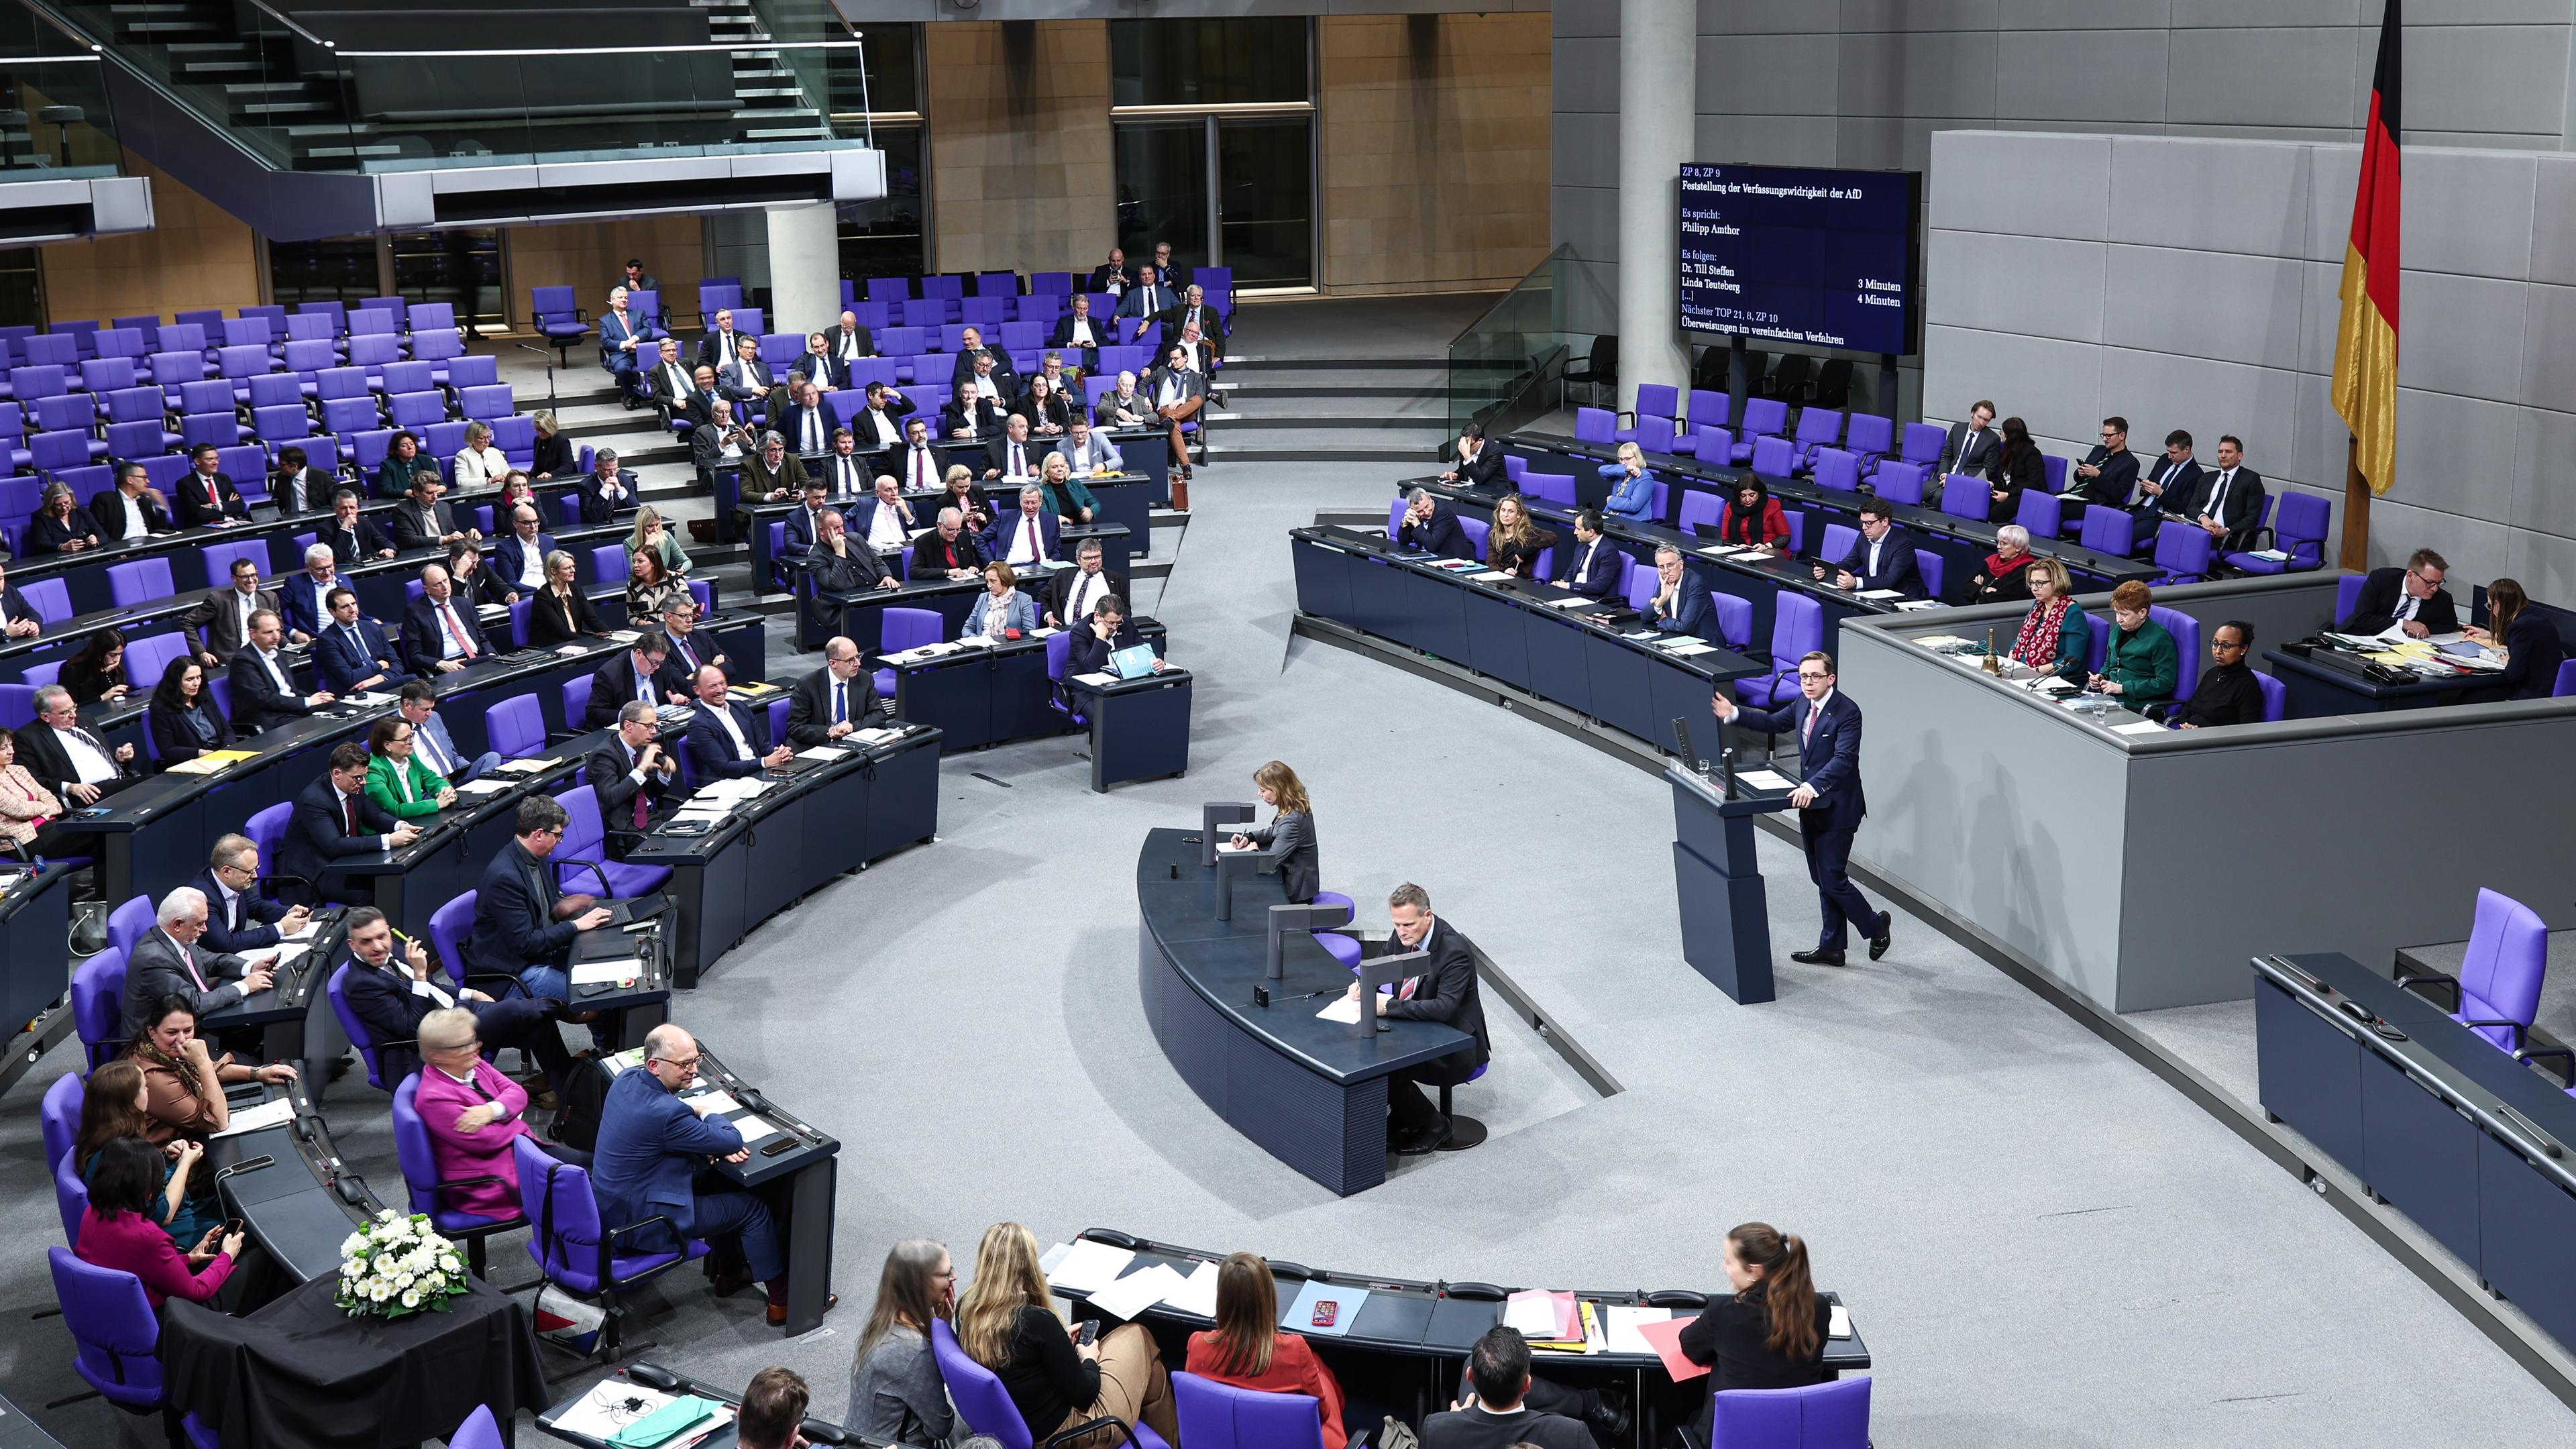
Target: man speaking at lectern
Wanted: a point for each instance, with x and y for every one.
(1830, 802)
(1445, 992)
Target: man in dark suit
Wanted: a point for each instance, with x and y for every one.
(1078, 330)
(77, 766)
(835, 699)
(970, 415)
(2411, 599)
(725, 740)
(916, 464)
(169, 961)
(1024, 536)
(217, 627)
(1072, 593)
(877, 429)
(1102, 632)
(1443, 991)
(629, 773)
(817, 363)
(352, 654)
(2229, 500)
(1969, 446)
(264, 693)
(646, 1165)
(131, 509)
(980, 362)
(607, 493)
(632, 675)
(391, 993)
(440, 632)
(1146, 302)
(352, 537)
(806, 423)
(520, 556)
(1431, 528)
(1479, 464)
(1881, 558)
(519, 929)
(2108, 474)
(846, 470)
(1681, 602)
(422, 521)
(333, 819)
(669, 384)
(948, 551)
(240, 920)
(1112, 276)
(847, 341)
(805, 522)
(721, 342)
(1499, 1410)
(300, 487)
(719, 444)
(1597, 565)
(1829, 800)
(691, 651)
(19, 619)
(1193, 311)
(207, 497)
(1178, 391)
(2168, 487)
(1013, 456)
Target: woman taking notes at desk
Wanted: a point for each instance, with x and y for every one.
(1632, 488)
(1247, 1350)
(1292, 830)
(2055, 638)
(2528, 639)
(1753, 516)
(1515, 545)
(2142, 663)
(1770, 1332)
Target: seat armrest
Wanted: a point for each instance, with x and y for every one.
(2515, 1027)
(2532, 1054)
(1127, 1432)
(2432, 978)
(608, 1246)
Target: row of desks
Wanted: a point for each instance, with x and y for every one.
(1510, 630)
(1145, 453)
(1126, 502)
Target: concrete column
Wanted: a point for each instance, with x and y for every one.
(804, 268)
(1658, 102)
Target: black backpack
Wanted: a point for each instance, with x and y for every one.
(585, 1095)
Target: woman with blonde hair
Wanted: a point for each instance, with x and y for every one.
(2056, 637)
(1632, 487)
(1515, 544)
(654, 536)
(1292, 831)
(958, 492)
(1057, 1383)
(478, 464)
(1247, 1350)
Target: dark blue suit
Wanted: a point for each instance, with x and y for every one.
(515, 931)
(801, 534)
(711, 751)
(997, 538)
(241, 928)
(511, 556)
(424, 633)
(296, 599)
(1601, 579)
(343, 664)
(2181, 483)
(1441, 535)
(317, 832)
(1829, 760)
(1694, 612)
(1897, 568)
(791, 426)
(646, 1164)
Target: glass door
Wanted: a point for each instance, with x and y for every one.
(1163, 189)
(1266, 196)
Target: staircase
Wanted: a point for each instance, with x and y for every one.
(1389, 410)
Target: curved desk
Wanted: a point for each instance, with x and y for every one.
(1310, 1092)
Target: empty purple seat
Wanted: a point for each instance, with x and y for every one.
(1817, 428)
(1899, 482)
(1594, 425)
(2182, 551)
(1867, 436)
(2301, 534)
(1964, 496)
(107, 374)
(2041, 513)
(1763, 417)
(1836, 468)
(1773, 454)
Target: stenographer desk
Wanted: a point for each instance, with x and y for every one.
(2085, 847)
(978, 693)
(821, 818)
(629, 1381)
(1310, 1092)
(1406, 1345)
(1512, 630)
(2329, 683)
(1140, 728)
(2429, 1115)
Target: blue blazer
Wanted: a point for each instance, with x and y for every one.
(646, 1161)
(1023, 614)
(790, 424)
(514, 924)
(236, 938)
(712, 753)
(595, 507)
(1693, 611)
(801, 536)
(1441, 535)
(1829, 760)
(315, 833)
(1896, 566)
(1630, 498)
(342, 666)
(1602, 579)
(510, 556)
(613, 332)
(422, 634)
(997, 537)
(296, 601)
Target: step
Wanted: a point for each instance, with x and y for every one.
(1258, 391)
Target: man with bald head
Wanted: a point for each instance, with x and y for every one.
(440, 633)
(725, 740)
(836, 699)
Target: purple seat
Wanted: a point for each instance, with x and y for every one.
(2104, 530)
(2276, 695)
(1734, 619)
(53, 349)
(2566, 684)
(1556, 488)
(1836, 545)
(1591, 425)
(58, 1116)
(1797, 627)
(901, 629)
(1899, 482)
(1711, 444)
(2301, 534)
(2186, 636)
(1221, 1416)
(515, 726)
(1476, 530)
(608, 564)
(1345, 949)
(479, 1431)
(139, 581)
(1817, 428)
(1655, 434)
(1833, 1415)
(1933, 569)
(2042, 513)
(1836, 468)
(1965, 496)
(1773, 454)
(575, 1250)
(416, 410)
(1699, 506)
(1867, 436)
(1654, 399)
(107, 374)
(1923, 444)
(98, 990)
(2052, 469)
(986, 1406)
(410, 377)
(1763, 417)
(581, 858)
(116, 1337)
(322, 327)
(1706, 409)
(2182, 551)
(2498, 985)
(420, 1176)
(336, 989)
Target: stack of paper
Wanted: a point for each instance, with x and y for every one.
(624, 636)
(1573, 601)
(1879, 594)
(1539, 1314)
(818, 752)
(1137, 1292)
(1324, 1308)
(275, 1113)
(1087, 1266)
(477, 789)
(529, 767)
(608, 973)
(569, 650)
(2138, 727)
(1101, 678)
(872, 736)
(1587, 1337)
(1766, 780)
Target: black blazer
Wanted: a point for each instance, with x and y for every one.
(416, 528)
(1059, 591)
(1088, 653)
(257, 702)
(931, 554)
(611, 686)
(1485, 470)
(1441, 535)
(1896, 565)
(42, 752)
(2113, 485)
(554, 621)
(196, 508)
(612, 780)
(349, 546)
(14, 608)
(985, 416)
(809, 708)
(2533, 652)
(47, 534)
(2376, 608)
(108, 509)
(2238, 510)
(997, 454)
(1731, 1335)
(1293, 833)
(174, 741)
(381, 996)
(2179, 480)
(711, 750)
(554, 458)
(833, 334)
(1602, 579)
(422, 630)
(2026, 471)
(1447, 994)
(316, 834)
(1062, 338)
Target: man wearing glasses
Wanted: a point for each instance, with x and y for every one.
(2411, 599)
(2108, 474)
(652, 1146)
(239, 919)
(524, 924)
(396, 993)
(1830, 802)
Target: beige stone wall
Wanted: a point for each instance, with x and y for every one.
(196, 255)
(1018, 117)
(1434, 150)
(590, 257)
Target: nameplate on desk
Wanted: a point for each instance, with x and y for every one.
(529, 767)
(1880, 594)
(477, 789)
(2138, 727)
(1102, 679)
(569, 650)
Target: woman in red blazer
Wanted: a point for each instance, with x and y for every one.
(1247, 1350)
(118, 1229)
(1754, 517)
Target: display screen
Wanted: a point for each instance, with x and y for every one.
(1800, 254)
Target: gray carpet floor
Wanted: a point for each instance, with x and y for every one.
(2041, 1242)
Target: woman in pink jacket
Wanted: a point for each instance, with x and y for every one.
(473, 1113)
(118, 1230)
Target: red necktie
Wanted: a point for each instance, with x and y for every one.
(455, 630)
(349, 814)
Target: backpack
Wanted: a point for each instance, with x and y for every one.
(585, 1095)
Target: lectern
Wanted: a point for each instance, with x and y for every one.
(1726, 920)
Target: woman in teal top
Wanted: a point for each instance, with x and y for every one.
(402, 459)
(654, 535)
(2141, 664)
(397, 779)
(1066, 497)
(2055, 637)
(112, 1106)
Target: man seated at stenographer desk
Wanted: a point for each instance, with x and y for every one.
(2410, 598)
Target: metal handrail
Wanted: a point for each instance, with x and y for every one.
(9, 60)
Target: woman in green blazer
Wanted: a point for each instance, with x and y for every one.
(396, 778)
(2141, 664)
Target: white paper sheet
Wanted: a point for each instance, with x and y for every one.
(569, 650)
(602, 1411)
(1100, 677)
(2138, 727)
(819, 752)
(1136, 1292)
(1623, 1325)
(1880, 594)
(754, 1129)
(713, 1104)
(1766, 780)
(1572, 601)
(610, 973)
(1342, 1009)
(1091, 1266)
(1197, 1293)
(288, 953)
(1840, 1326)
(275, 1113)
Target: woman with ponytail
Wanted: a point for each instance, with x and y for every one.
(1770, 1332)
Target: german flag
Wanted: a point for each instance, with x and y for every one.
(2365, 370)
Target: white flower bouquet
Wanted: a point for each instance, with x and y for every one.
(395, 1267)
